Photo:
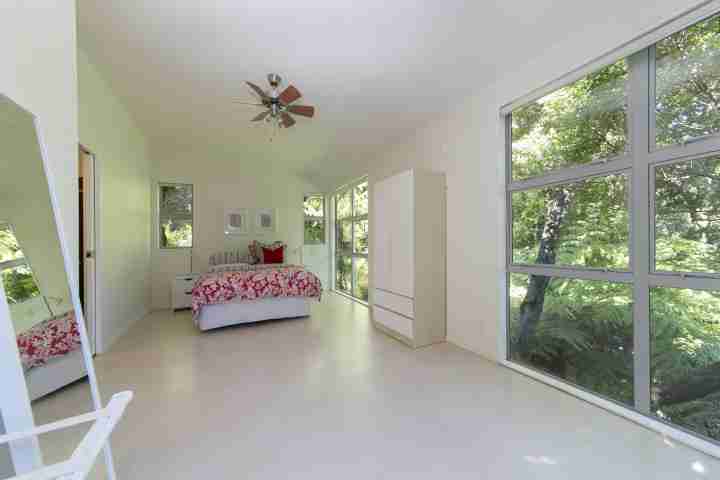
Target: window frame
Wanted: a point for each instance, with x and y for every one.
(160, 185)
(352, 220)
(310, 217)
(639, 164)
(20, 262)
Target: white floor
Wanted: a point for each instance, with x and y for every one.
(330, 398)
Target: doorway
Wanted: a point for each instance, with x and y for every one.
(87, 255)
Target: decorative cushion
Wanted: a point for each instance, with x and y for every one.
(255, 249)
(274, 253)
(254, 252)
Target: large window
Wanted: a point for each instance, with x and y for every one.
(175, 215)
(351, 240)
(314, 206)
(614, 222)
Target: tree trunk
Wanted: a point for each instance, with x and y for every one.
(700, 383)
(532, 305)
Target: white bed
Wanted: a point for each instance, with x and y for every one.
(249, 311)
(55, 374)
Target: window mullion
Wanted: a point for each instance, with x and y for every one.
(352, 241)
(639, 131)
(574, 174)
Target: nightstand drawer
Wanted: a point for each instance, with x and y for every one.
(182, 291)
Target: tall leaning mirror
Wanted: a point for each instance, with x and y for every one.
(44, 312)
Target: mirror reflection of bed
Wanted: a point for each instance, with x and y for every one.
(32, 271)
(43, 309)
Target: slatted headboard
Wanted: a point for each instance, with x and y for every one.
(229, 256)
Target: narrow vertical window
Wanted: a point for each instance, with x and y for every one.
(351, 240)
(175, 215)
(314, 207)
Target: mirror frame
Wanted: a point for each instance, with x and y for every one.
(26, 454)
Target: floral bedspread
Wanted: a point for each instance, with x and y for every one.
(51, 338)
(265, 281)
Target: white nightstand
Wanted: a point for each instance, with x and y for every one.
(182, 290)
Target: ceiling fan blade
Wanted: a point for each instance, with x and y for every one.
(287, 120)
(260, 116)
(263, 96)
(303, 110)
(289, 95)
(239, 102)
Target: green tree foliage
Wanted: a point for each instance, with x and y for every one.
(9, 248)
(18, 280)
(580, 330)
(314, 206)
(176, 217)
(343, 273)
(19, 284)
(581, 123)
(688, 83)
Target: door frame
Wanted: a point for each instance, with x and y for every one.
(90, 242)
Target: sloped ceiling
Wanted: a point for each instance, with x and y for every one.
(375, 69)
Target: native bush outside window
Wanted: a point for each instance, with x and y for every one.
(175, 215)
(611, 246)
(314, 206)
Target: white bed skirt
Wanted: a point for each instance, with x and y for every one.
(248, 311)
(55, 374)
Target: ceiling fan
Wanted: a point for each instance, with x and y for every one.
(279, 106)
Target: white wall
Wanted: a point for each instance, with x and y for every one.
(123, 210)
(37, 48)
(467, 144)
(223, 179)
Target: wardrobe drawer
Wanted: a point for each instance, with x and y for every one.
(397, 303)
(393, 321)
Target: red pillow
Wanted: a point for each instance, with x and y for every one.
(274, 255)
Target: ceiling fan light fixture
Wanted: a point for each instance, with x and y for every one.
(274, 79)
(280, 107)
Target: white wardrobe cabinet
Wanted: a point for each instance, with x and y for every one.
(408, 256)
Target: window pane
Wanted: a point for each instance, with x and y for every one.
(314, 231)
(360, 275)
(688, 83)
(343, 205)
(19, 283)
(360, 200)
(686, 358)
(314, 206)
(176, 234)
(579, 224)
(687, 216)
(176, 216)
(577, 330)
(343, 273)
(578, 124)
(361, 236)
(9, 247)
(344, 236)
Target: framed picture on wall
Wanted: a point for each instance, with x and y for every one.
(266, 220)
(237, 221)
